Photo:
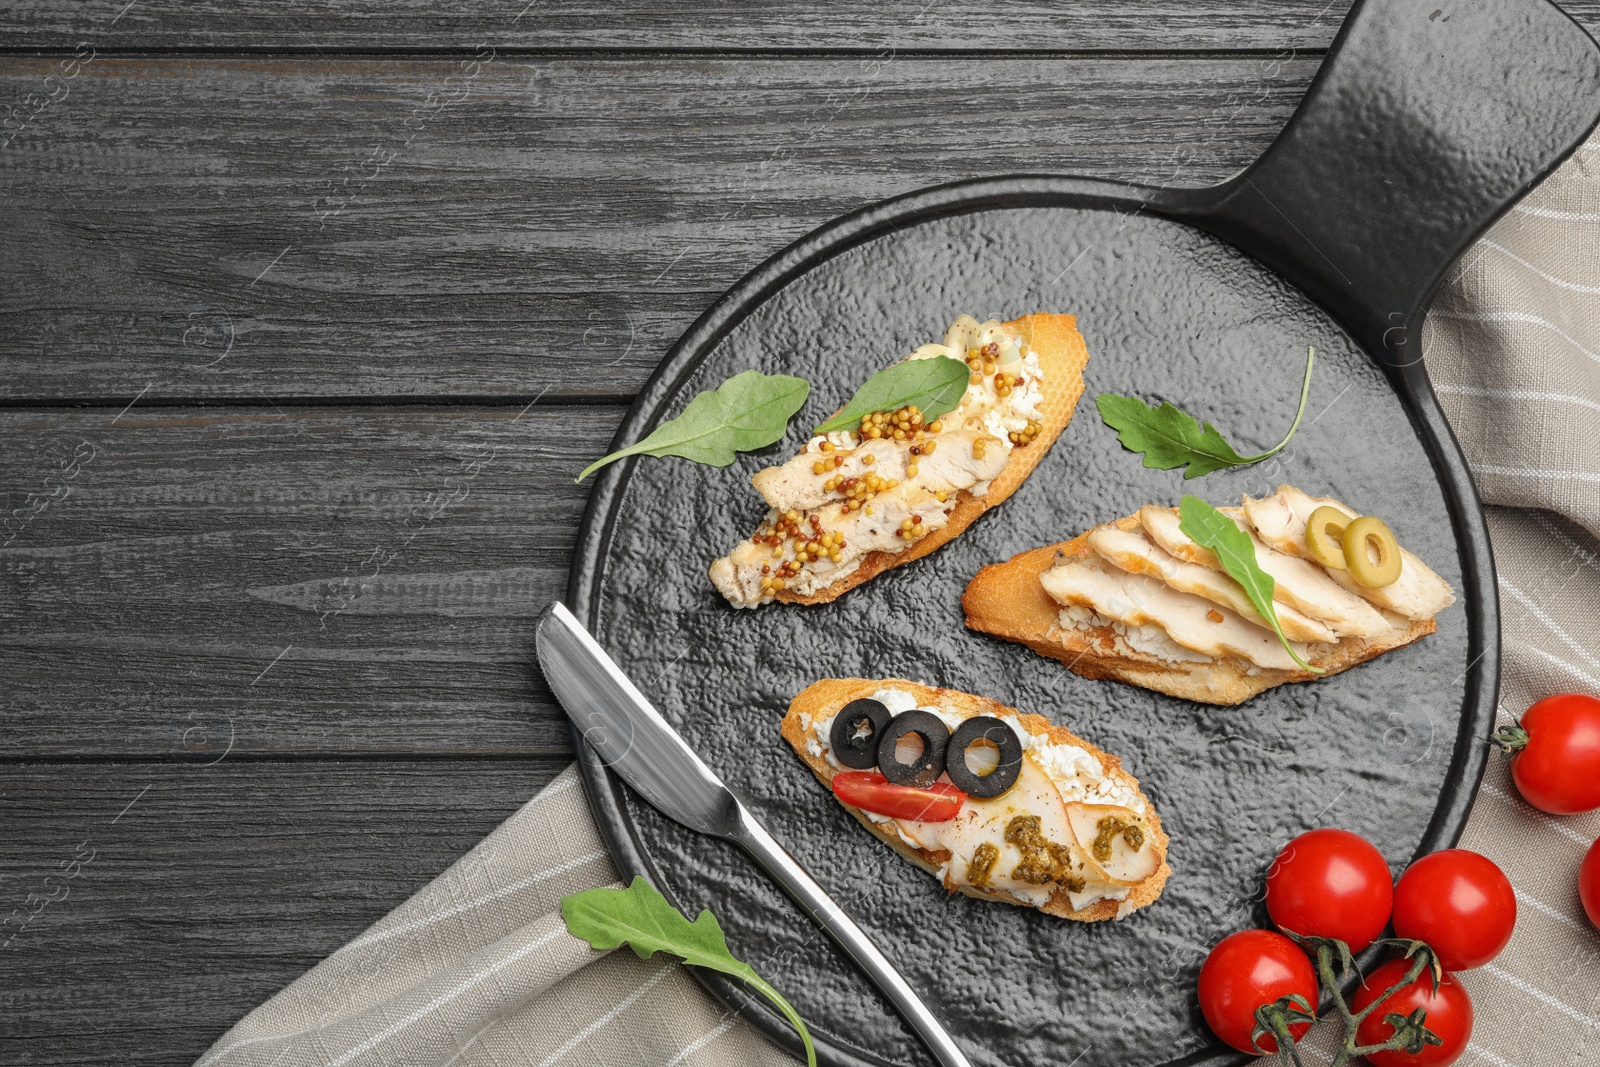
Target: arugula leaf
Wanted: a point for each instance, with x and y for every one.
(748, 411)
(1211, 529)
(1170, 438)
(640, 917)
(935, 385)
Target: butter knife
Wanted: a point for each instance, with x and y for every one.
(633, 739)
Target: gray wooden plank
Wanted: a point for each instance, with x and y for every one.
(1101, 25)
(369, 227)
(217, 887)
(1117, 25)
(699, 25)
(183, 583)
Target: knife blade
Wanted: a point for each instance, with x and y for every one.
(627, 732)
(634, 740)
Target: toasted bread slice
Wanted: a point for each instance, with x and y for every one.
(1062, 356)
(1008, 600)
(824, 698)
(863, 520)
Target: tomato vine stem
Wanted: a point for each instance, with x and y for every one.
(1410, 1032)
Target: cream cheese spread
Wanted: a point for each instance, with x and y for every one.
(1064, 786)
(893, 480)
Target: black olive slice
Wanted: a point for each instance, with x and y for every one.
(997, 733)
(927, 767)
(855, 733)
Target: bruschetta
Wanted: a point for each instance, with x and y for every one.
(1050, 822)
(1138, 601)
(854, 503)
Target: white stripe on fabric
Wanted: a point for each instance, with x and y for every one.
(703, 1040)
(1516, 394)
(1562, 828)
(1566, 665)
(440, 1001)
(588, 1031)
(1534, 472)
(523, 883)
(1539, 613)
(1483, 1053)
(556, 789)
(473, 1040)
(1540, 995)
(1516, 316)
(1557, 213)
(1545, 909)
(1553, 530)
(1551, 278)
(260, 1038)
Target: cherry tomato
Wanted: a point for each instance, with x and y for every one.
(1330, 883)
(1589, 883)
(1246, 971)
(1460, 903)
(1555, 754)
(871, 791)
(1449, 1016)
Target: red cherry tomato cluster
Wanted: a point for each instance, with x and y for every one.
(1329, 892)
(1555, 762)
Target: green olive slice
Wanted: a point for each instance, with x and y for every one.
(1371, 552)
(1325, 537)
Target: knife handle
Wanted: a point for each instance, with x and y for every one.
(754, 839)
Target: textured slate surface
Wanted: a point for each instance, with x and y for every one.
(1167, 313)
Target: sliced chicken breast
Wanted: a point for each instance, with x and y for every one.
(1299, 583)
(1133, 552)
(1280, 521)
(1139, 600)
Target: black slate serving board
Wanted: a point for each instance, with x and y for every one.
(1168, 313)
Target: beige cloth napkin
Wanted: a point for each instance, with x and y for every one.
(477, 969)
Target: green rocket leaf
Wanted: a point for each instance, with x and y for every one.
(1169, 437)
(748, 411)
(935, 385)
(1211, 529)
(641, 918)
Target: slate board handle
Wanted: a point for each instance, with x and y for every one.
(1428, 119)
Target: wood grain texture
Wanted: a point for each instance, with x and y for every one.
(366, 227)
(217, 887)
(176, 581)
(1101, 25)
(1118, 25)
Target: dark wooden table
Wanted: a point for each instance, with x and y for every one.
(308, 318)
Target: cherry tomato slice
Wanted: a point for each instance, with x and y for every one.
(871, 791)
(1556, 754)
(1449, 1016)
(1331, 883)
(1246, 971)
(1460, 903)
(1589, 883)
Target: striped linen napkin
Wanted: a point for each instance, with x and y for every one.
(478, 970)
